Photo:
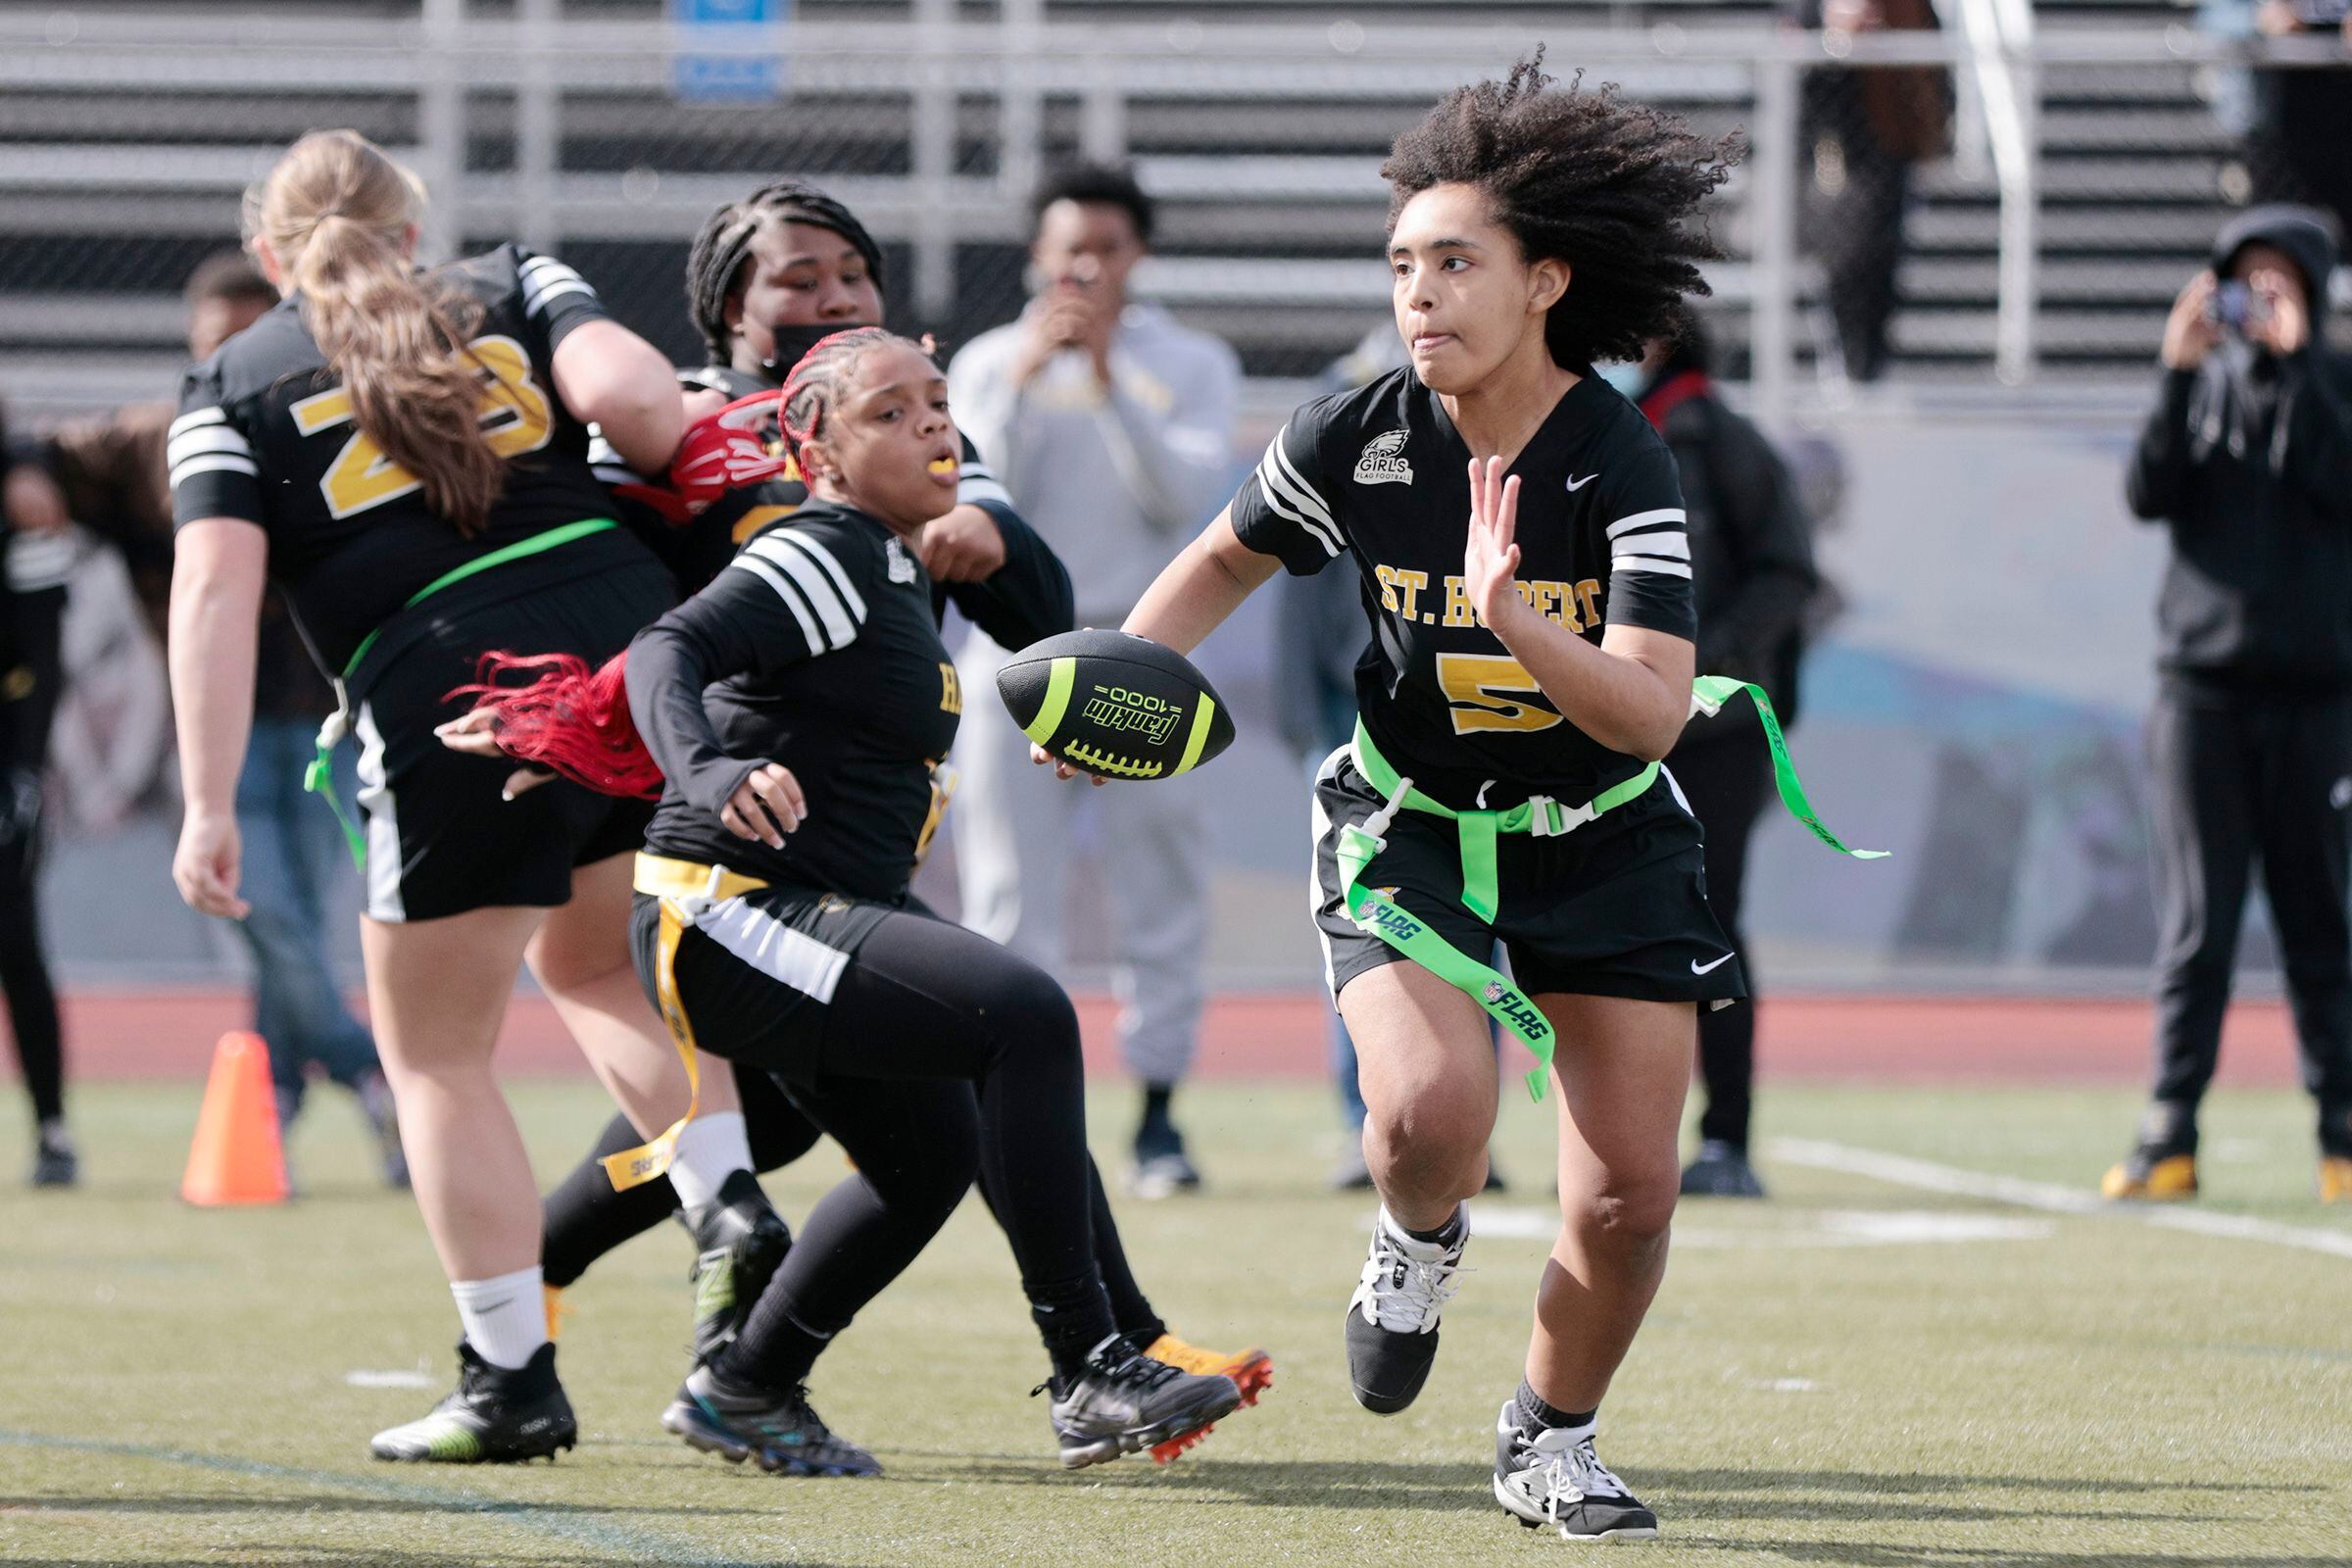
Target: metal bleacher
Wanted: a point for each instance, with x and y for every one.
(1259, 128)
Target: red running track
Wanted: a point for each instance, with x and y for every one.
(169, 1033)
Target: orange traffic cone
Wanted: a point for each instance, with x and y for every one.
(236, 1157)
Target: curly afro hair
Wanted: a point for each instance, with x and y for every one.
(1609, 187)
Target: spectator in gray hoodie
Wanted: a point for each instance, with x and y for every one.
(1112, 428)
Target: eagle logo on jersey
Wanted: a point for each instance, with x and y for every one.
(902, 565)
(1381, 461)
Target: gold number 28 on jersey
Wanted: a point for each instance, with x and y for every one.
(517, 418)
(1475, 685)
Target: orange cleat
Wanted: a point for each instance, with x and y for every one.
(2170, 1179)
(2336, 1185)
(1251, 1371)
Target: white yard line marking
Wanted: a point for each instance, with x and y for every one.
(1924, 1175)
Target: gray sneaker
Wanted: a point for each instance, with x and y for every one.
(781, 1431)
(1552, 1478)
(1126, 1402)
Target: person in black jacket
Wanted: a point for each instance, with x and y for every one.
(2247, 460)
(1751, 561)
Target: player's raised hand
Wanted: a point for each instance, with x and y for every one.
(2190, 332)
(1491, 559)
(765, 807)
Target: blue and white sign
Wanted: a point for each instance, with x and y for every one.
(746, 62)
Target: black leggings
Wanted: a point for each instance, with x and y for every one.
(24, 965)
(922, 1018)
(586, 1218)
(31, 674)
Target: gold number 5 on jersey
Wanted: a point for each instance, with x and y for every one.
(517, 418)
(1472, 683)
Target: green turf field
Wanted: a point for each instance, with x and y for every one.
(1856, 1373)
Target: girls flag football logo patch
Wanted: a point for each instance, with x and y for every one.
(1383, 461)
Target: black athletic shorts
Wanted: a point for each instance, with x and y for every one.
(758, 973)
(815, 987)
(440, 841)
(1618, 907)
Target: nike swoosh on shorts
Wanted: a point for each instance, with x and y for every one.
(1697, 968)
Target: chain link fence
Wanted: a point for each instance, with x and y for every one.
(1937, 204)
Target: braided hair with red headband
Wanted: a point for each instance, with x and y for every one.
(574, 720)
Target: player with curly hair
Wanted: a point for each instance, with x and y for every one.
(1520, 535)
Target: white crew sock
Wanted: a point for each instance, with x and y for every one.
(712, 1149)
(505, 1318)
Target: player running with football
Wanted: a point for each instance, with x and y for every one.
(767, 277)
(775, 925)
(406, 453)
(1520, 536)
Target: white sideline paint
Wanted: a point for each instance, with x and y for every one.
(1804, 1228)
(363, 1378)
(1924, 1175)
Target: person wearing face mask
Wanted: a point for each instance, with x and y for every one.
(1752, 564)
(1112, 427)
(2248, 462)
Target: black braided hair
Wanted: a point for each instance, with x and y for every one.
(814, 387)
(1609, 187)
(712, 264)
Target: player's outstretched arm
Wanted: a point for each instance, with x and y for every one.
(1206, 583)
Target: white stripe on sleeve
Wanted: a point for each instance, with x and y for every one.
(746, 562)
(824, 558)
(1672, 544)
(1650, 564)
(1279, 498)
(212, 463)
(206, 438)
(1647, 519)
(974, 488)
(191, 421)
(1304, 493)
(833, 612)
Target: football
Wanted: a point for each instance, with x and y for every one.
(1115, 705)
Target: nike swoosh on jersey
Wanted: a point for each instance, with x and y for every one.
(1575, 484)
(1697, 968)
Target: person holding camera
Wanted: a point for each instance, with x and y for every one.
(2247, 460)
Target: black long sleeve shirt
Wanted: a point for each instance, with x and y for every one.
(2250, 468)
(819, 648)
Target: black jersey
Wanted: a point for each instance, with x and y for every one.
(1381, 472)
(265, 434)
(816, 648)
(697, 551)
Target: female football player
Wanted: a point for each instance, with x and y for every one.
(766, 278)
(774, 922)
(1520, 537)
(406, 453)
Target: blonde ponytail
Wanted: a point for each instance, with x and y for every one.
(336, 212)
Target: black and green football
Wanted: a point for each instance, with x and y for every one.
(1115, 705)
